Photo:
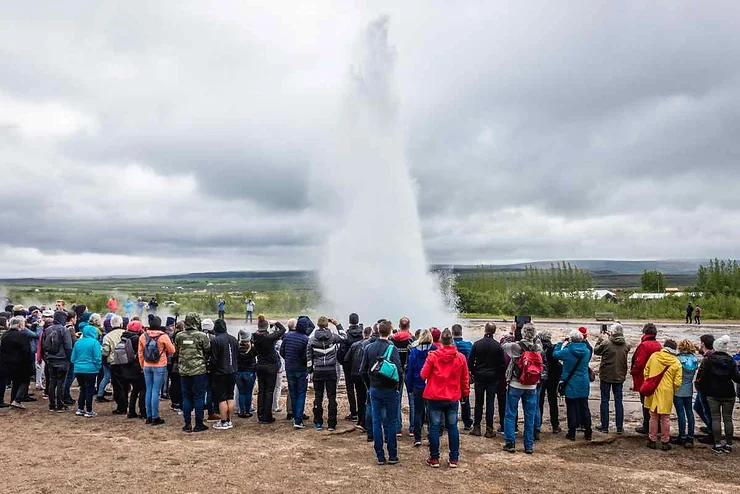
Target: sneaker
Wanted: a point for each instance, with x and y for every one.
(666, 446)
(62, 409)
(68, 401)
(433, 462)
(500, 429)
(603, 430)
(200, 428)
(361, 427)
(102, 399)
(332, 429)
(678, 441)
(417, 444)
(392, 461)
(717, 448)
(132, 416)
(90, 415)
(221, 425)
(490, 433)
(510, 448)
(381, 461)
(119, 412)
(727, 448)
(652, 444)
(411, 432)
(277, 410)
(476, 431)
(689, 443)
(299, 426)
(641, 430)
(528, 451)
(706, 440)
(319, 427)
(536, 435)
(18, 405)
(452, 463)
(28, 399)
(148, 421)
(570, 437)
(289, 416)
(557, 430)
(399, 434)
(588, 435)
(351, 418)
(4, 405)
(52, 408)
(187, 428)
(467, 428)
(80, 413)
(158, 421)
(620, 432)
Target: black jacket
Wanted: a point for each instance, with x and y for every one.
(264, 345)
(246, 358)
(64, 349)
(354, 357)
(370, 356)
(224, 350)
(321, 353)
(715, 376)
(15, 354)
(554, 366)
(132, 370)
(487, 360)
(354, 334)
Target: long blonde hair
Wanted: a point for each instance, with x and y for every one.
(425, 337)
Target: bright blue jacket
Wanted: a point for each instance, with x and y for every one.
(579, 385)
(417, 358)
(464, 347)
(87, 354)
(689, 364)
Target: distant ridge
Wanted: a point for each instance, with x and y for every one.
(680, 266)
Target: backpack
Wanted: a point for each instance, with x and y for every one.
(384, 368)
(123, 353)
(529, 367)
(53, 342)
(151, 349)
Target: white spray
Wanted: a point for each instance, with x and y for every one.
(375, 263)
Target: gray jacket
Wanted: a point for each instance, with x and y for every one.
(321, 353)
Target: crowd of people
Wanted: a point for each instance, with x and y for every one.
(209, 375)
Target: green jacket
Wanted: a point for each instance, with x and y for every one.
(193, 348)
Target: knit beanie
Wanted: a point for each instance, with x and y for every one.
(722, 344)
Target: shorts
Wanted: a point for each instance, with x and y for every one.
(223, 387)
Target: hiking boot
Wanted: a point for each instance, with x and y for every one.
(689, 443)
(557, 430)
(200, 428)
(475, 431)
(666, 446)
(433, 462)
(652, 445)
(148, 421)
(490, 433)
(453, 463)
(158, 421)
(187, 428)
(640, 430)
(588, 435)
(510, 448)
(603, 430)
(536, 435)
(677, 441)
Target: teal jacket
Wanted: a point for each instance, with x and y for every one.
(87, 354)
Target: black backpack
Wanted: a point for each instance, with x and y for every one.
(53, 342)
(151, 349)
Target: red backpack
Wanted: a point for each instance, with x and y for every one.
(529, 367)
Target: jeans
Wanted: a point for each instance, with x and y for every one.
(484, 391)
(550, 389)
(68, 382)
(616, 389)
(154, 378)
(410, 393)
(248, 318)
(104, 382)
(384, 408)
(361, 392)
(369, 416)
(447, 410)
(578, 414)
(266, 377)
(193, 397)
(330, 386)
(721, 409)
(420, 410)
(701, 406)
(87, 391)
(466, 415)
(529, 404)
(537, 414)
(55, 385)
(245, 383)
(297, 389)
(685, 413)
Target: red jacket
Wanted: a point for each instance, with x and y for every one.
(446, 374)
(645, 349)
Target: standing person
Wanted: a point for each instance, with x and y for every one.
(293, 352)
(464, 347)
(402, 341)
(277, 394)
(250, 311)
(448, 382)
(354, 334)
(71, 326)
(503, 384)
(224, 349)
(221, 308)
(612, 374)
(173, 370)
(87, 357)
(648, 346)
(154, 348)
(15, 358)
(714, 379)
(689, 313)
(549, 387)
(575, 355)
(683, 398)
(110, 341)
(663, 376)
(321, 357)
(697, 315)
(112, 305)
(523, 375)
(487, 366)
(354, 356)
(140, 304)
(417, 358)
(192, 350)
(267, 366)
(701, 405)
(128, 308)
(132, 377)
(153, 304)
(383, 392)
(57, 348)
(246, 374)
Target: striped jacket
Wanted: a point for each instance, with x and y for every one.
(321, 352)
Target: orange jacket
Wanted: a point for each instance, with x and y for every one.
(165, 348)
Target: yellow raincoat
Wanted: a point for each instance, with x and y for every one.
(662, 400)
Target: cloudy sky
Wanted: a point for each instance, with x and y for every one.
(163, 137)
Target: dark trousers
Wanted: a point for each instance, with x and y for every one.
(330, 387)
(175, 390)
(361, 391)
(221, 314)
(420, 409)
(117, 383)
(20, 385)
(193, 397)
(551, 390)
(351, 392)
(701, 407)
(578, 414)
(501, 395)
(87, 391)
(266, 379)
(645, 415)
(485, 391)
(68, 382)
(137, 387)
(55, 384)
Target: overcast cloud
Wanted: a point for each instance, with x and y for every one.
(163, 137)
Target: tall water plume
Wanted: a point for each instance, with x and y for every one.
(375, 264)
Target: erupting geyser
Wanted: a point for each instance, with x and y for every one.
(374, 264)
